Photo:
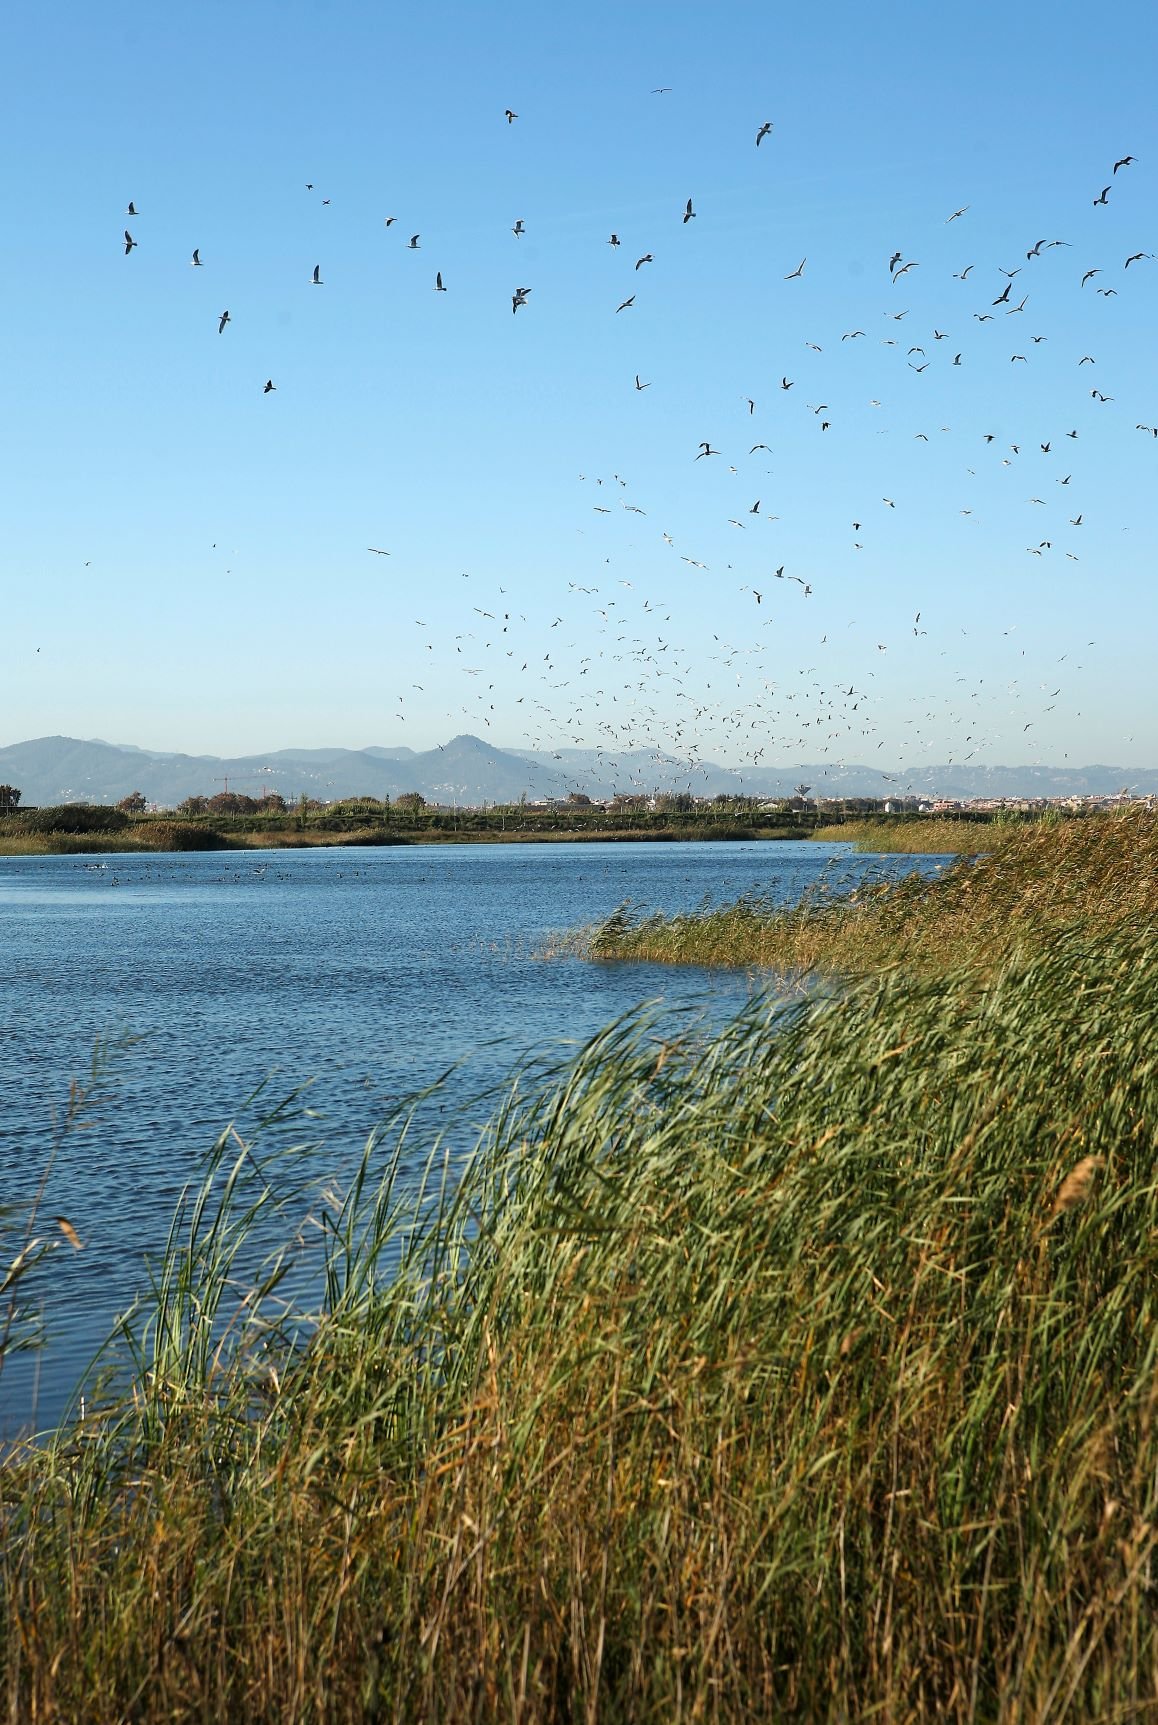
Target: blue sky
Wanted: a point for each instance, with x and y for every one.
(185, 556)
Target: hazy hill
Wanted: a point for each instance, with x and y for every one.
(467, 770)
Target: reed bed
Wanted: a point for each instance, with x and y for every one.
(807, 1371)
(924, 836)
(1098, 873)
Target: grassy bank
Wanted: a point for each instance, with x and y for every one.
(807, 1374)
(146, 839)
(925, 836)
(1095, 874)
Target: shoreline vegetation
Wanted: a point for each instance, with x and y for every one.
(80, 829)
(1034, 882)
(808, 1370)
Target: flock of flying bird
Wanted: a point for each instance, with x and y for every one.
(617, 693)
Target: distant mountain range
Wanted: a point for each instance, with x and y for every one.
(471, 772)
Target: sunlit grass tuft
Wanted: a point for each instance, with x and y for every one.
(925, 836)
(1099, 873)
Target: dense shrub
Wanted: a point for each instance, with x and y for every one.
(71, 818)
(177, 836)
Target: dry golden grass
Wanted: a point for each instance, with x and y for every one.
(1098, 873)
(926, 836)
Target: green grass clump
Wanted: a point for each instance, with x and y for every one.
(1037, 880)
(803, 1372)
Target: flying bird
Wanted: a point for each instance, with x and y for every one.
(222, 321)
(645, 259)
(705, 449)
(1124, 163)
(132, 209)
(511, 116)
(270, 386)
(130, 242)
(316, 278)
(377, 552)
(688, 212)
(639, 385)
(1105, 197)
(956, 214)
(438, 287)
(195, 260)
(519, 229)
(625, 304)
(414, 245)
(614, 240)
(798, 271)
(763, 132)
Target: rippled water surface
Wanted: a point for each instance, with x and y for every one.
(368, 972)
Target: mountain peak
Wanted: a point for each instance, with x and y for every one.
(470, 771)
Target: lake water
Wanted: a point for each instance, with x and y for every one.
(368, 972)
